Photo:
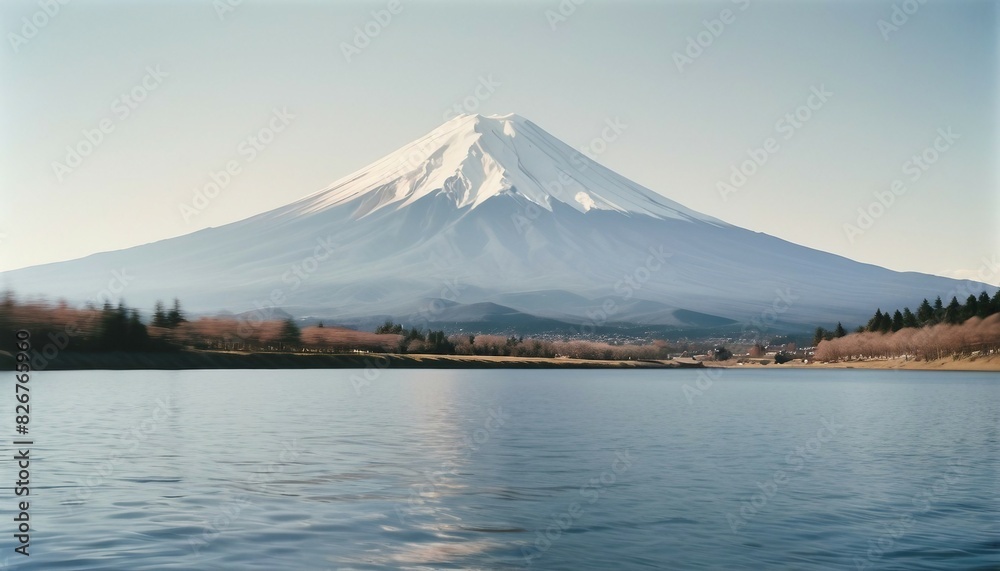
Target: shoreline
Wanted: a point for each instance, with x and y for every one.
(193, 360)
(189, 360)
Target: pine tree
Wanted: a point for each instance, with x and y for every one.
(160, 316)
(925, 314)
(818, 336)
(136, 336)
(995, 303)
(175, 316)
(983, 305)
(885, 325)
(953, 313)
(938, 310)
(291, 335)
(909, 320)
(839, 331)
(876, 321)
(437, 342)
(113, 332)
(389, 328)
(971, 307)
(897, 321)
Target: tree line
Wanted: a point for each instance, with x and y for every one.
(60, 327)
(971, 339)
(122, 328)
(934, 331)
(927, 314)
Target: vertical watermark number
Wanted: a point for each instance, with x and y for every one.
(21, 418)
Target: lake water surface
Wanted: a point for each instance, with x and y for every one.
(427, 469)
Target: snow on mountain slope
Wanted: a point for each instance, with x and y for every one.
(492, 209)
(473, 158)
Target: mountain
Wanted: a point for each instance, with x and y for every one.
(492, 218)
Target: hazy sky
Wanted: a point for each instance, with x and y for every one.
(210, 79)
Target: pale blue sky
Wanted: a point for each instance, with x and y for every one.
(685, 129)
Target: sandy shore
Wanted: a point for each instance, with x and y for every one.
(987, 363)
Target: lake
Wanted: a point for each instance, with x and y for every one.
(493, 469)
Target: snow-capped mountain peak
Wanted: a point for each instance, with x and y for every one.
(472, 158)
(449, 217)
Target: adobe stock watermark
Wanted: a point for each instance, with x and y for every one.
(901, 12)
(471, 103)
(296, 275)
(632, 282)
(247, 150)
(987, 271)
(893, 531)
(613, 128)
(782, 302)
(626, 287)
(58, 341)
(451, 290)
(589, 493)
(364, 35)
(421, 152)
(371, 373)
(225, 7)
(786, 126)
(471, 443)
(129, 441)
(559, 188)
(562, 13)
(416, 155)
(121, 108)
(702, 382)
(796, 459)
(915, 167)
(698, 43)
(229, 513)
(32, 25)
